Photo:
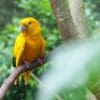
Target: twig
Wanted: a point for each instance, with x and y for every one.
(43, 85)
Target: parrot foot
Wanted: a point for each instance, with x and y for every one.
(26, 64)
(40, 61)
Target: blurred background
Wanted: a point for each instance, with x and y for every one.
(10, 14)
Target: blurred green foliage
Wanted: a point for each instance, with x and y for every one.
(93, 13)
(11, 12)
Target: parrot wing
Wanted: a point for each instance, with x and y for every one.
(18, 51)
(14, 61)
(43, 47)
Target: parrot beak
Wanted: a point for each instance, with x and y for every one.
(24, 28)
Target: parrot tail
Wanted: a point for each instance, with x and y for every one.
(15, 82)
(26, 77)
(18, 79)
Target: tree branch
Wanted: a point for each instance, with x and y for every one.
(12, 77)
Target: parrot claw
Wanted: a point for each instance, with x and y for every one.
(40, 61)
(26, 64)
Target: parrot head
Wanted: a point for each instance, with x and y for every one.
(30, 25)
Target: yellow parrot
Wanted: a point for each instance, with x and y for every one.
(29, 45)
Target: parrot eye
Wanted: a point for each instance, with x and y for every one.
(30, 23)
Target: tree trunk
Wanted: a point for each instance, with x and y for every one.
(64, 19)
(79, 17)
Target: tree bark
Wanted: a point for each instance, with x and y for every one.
(77, 9)
(64, 19)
